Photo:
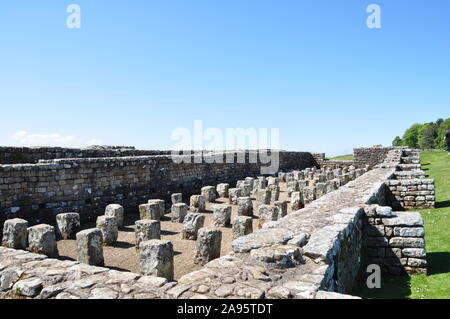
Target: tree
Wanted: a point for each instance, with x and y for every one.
(443, 127)
(411, 136)
(428, 135)
(397, 141)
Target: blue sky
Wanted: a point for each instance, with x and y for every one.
(137, 70)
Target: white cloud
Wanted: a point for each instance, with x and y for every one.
(23, 138)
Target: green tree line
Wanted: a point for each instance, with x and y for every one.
(425, 136)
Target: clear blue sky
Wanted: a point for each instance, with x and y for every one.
(136, 70)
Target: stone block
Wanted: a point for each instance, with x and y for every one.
(222, 215)
(15, 233)
(297, 201)
(245, 206)
(90, 247)
(156, 258)
(263, 196)
(42, 240)
(149, 211)
(267, 213)
(282, 206)
(115, 210)
(234, 194)
(198, 203)
(222, 190)
(414, 252)
(407, 242)
(176, 198)
(208, 245)
(161, 205)
(179, 211)
(209, 192)
(109, 229)
(192, 223)
(242, 225)
(147, 229)
(409, 232)
(67, 225)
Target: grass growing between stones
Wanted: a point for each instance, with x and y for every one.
(437, 240)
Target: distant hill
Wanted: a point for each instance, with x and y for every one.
(425, 136)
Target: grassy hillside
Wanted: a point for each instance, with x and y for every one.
(437, 240)
(342, 157)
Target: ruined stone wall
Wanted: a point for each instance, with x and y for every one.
(37, 192)
(407, 194)
(371, 155)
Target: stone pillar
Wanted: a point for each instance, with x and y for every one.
(249, 182)
(267, 213)
(321, 189)
(109, 229)
(282, 177)
(272, 181)
(234, 194)
(222, 190)
(192, 223)
(208, 245)
(262, 197)
(42, 240)
(309, 194)
(156, 258)
(297, 201)
(245, 206)
(67, 225)
(90, 247)
(222, 215)
(147, 229)
(15, 233)
(242, 225)
(161, 206)
(149, 211)
(292, 187)
(179, 211)
(274, 193)
(198, 203)
(177, 198)
(115, 210)
(209, 192)
(282, 206)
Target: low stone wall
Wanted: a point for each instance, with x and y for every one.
(37, 192)
(411, 194)
(371, 155)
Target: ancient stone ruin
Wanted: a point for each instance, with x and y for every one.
(72, 217)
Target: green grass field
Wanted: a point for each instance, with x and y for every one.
(342, 157)
(437, 240)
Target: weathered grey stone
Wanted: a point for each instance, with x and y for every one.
(263, 196)
(297, 201)
(242, 225)
(284, 256)
(117, 211)
(176, 198)
(409, 232)
(109, 229)
(268, 213)
(156, 258)
(161, 205)
(149, 211)
(292, 186)
(90, 247)
(42, 240)
(198, 203)
(282, 206)
(415, 262)
(274, 192)
(309, 194)
(209, 192)
(28, 287)
(208, 245)
(408, 242)
(299, 240)
(15, 233)
(245, 206)
(179, 212)
(264, 237)
(234, 194)
(383, 211)
(222, 190)
(414, 252)
(334, 295)
(404, 219)
(67, 225)
(192, 223)
(147, 229)
(222, 215)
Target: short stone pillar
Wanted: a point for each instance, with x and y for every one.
(161, 204)
(198, 203)
(242, 225)
(292, 186)
(156, 258)
(149, 211)
(245, 206)
(192, 223)
(115, 210)
(297, 201)
(15, 233)
(282, 206)
(42, 240)
(109, 229)
(179, 211)
(274, 192)
(321, 189)
(309, 194)
(67, 225)
(176, 198)
(209, 192)
(246, 190)
(262, 196)
(147, 229)
(222, 190)
(272, 181)
(267, 213)
(282, 177)
(260, 183)
(234, 194)
(90, 247)
(222, 215)
(208, 245)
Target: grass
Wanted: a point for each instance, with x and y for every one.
(342, 157)
(435, 285)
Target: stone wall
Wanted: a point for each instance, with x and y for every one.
(371, 155)
(407, 194)
(37, 192)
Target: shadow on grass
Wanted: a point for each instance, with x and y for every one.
(392, 287)
(443, 204)
(438, 263)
